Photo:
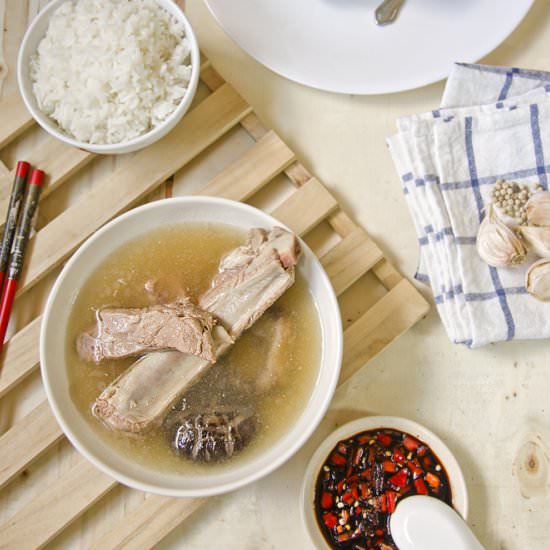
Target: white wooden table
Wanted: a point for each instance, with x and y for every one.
(491, 406)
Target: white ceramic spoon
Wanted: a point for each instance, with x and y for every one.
(426, 523)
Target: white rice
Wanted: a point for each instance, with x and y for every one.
(108, 71)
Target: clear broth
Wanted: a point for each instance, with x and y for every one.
(191, 253)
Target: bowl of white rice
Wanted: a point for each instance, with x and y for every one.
(109, 76)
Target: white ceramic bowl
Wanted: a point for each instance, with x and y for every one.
(29, 45)
(54, 328)
(454, 473)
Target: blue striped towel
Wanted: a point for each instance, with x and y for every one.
(493, 123)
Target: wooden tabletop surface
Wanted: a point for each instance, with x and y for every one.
(490, 405)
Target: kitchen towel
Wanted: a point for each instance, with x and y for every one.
(493, 123)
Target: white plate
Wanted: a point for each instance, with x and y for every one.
(335, 45)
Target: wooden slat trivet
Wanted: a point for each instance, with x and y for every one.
(44, 517)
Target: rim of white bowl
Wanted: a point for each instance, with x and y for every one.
(52, 128)
(229, 486)
(459, 490)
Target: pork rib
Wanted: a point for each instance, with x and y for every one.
(118, 332)
(249, 280)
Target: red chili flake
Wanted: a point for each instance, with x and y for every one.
(340, 486)
(330, 520)
(385, 439)
(427, 461)
(433, 481)
(400, 478)
(420, 486)
(337, 459)
(345, 515)
(385, 546)
(379, 532)
(343, 449)
(381, 503)
(326, 500)
(343, 537)
(389, 466)
(355, 492)
(348, 497)
(363, 487)
(372, 455)
(398, 456)
(410, 443)
(422, 450)
(390, 497)
(405, 489)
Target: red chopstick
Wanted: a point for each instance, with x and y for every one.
(18, 250)
(12, 215)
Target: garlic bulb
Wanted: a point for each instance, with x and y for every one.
(537, 279)
(537, 209)
(497, 244)
(538, 238)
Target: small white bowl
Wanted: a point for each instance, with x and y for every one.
(29, 45)
(87, 259)
(454, 473)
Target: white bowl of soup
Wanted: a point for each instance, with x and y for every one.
(297, 341)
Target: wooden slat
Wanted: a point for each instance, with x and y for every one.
(306, 207)
(14, 117)
(26, 440)
(397, 311)
(296, 172)
(387, 274)
(211, 78)
(58, 160)
(20, 356)
(50, 512)
(134, 179)
(149, 523)
(342, 223)
(351, 258)
(250, 172)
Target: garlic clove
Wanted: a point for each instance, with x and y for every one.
(497, 244)
(538, 238)
(537, 209)
(537, 279)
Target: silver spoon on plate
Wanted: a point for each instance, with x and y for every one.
(388, 11)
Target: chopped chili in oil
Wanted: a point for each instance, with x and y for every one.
(363, 479)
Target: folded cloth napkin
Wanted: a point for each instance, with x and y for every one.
(493, 123)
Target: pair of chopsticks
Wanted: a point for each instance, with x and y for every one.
(21, 209)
